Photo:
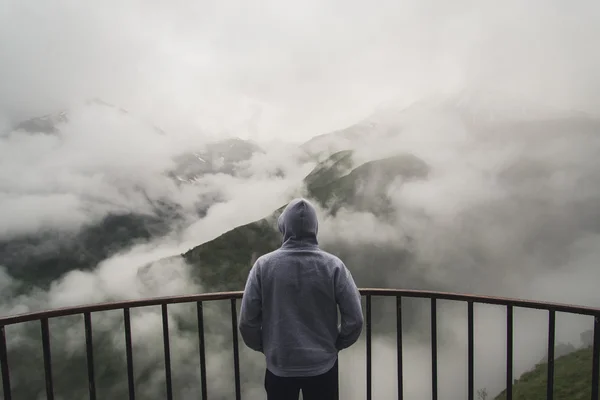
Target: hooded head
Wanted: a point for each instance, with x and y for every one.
(298, 223)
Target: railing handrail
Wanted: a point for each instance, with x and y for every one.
(428, 294)
(399, 294)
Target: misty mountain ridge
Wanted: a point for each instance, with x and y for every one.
(51, 123)
(483, 105)
(222, 157)
(223, 263)
(213, 157)
(57, 252)
(480, 111)
(342, 182)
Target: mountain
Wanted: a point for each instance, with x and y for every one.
(52, 123)
(222, 157)
(364, 188)
(334, 167)
(484, 115)
(44, 124)
(518, 148)
(39, 258)
(388, 238)
(343, 179)
(223, 263)
(321, 146)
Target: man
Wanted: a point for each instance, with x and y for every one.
(289, 311)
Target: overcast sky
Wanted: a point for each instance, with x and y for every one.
(274, 69)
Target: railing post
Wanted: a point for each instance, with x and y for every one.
(129, 351)
(596, 357)
(236, 351)
(4, 365)
(509, 351)
(399, 346)
(471, 371)
(89, 349)
(167, 350)
(434, 361)
(47, 359)
(369, 367)
(551, 339)
(202, 350)
(337, 384)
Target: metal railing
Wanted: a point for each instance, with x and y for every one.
(126, 306)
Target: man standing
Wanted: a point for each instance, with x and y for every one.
(289, 311)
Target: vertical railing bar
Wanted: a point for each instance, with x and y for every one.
(337, 385)
(236, 351)
(89, 350)
(509, 351)
(434, 383)
(551, 339)
(129, 352)
(369, 366)
(47, 358)
(471, 371)
(399, 346)
(202, 346)
(167, 350)
(4, 365)
(596, 357)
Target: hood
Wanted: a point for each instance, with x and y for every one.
(298, 223)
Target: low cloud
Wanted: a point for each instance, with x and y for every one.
(102, 160)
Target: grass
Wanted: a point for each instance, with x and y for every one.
(572, 379)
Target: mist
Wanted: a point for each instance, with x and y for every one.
(276, 70)
(500, 100)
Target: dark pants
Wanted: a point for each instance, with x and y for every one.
(320, 387)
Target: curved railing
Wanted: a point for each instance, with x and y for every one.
(126, 306)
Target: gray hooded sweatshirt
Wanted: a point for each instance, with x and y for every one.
(289, 310)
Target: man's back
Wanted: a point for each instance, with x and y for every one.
(289, 310)
(300, 289)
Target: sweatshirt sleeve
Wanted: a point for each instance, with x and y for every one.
(250, 320)
(348, 299)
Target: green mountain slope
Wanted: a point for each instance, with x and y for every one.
(572, 379)
(327, 171)
(364, 188)
(40, 258)
(223, 263)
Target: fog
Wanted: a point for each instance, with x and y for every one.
(278, 70)
(509, 207)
